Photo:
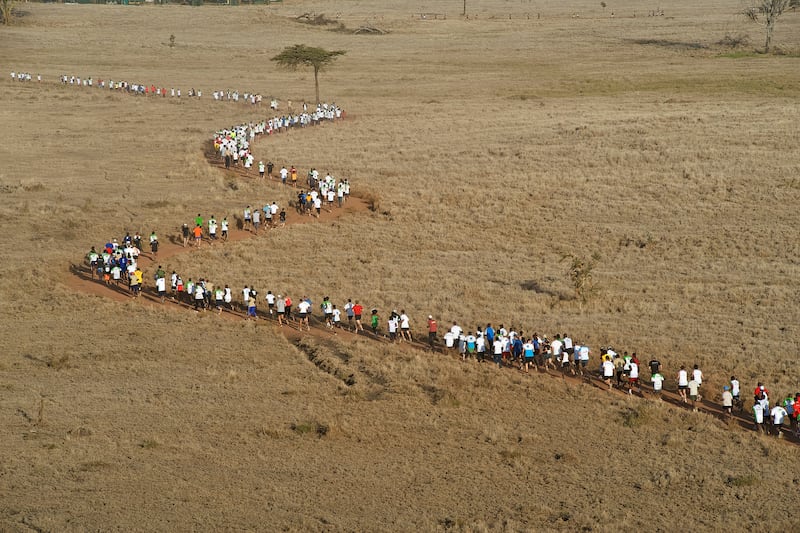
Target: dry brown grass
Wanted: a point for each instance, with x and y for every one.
(494, 147)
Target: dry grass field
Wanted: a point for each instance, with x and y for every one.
(496, 145)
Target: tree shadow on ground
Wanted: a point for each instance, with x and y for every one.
(666, 43)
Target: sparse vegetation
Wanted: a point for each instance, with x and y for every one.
(745, 480)
(767, 12)
(515, 141)
(317, 58)
(739, 40)
(7, 11)
(640, 415)
(581, 275)
(310, 428)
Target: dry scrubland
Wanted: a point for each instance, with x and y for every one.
(495, 146)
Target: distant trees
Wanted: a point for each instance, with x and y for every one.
(301, 55)
(7, 11)
(767, 12)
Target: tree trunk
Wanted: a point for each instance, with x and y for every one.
(6, 7)
(316, 82)
(770, 28)
(465, 8)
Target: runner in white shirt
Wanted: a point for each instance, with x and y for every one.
(212, 229)
(199, 296)
(497, 351)
(777, 414)
(567, 340)
(303, 309)
(584, 357)
(449, 339)
(225, 229)
(161, 284)
(392, 327)
(658, 383)
(116, 274)
(245, 296)
(331, 196)
(480, 346)
(228, 297)
(758, 415)
(697, 375)
(555, 348)
(633, 377)
(683, 383)
(608, 371)
(405, 327)
(456, 332)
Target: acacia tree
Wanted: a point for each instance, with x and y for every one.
(768, 12)
(301, 55)
(6, 10)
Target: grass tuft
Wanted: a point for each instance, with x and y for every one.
(745, 480)
(638, 416)
(311, 428)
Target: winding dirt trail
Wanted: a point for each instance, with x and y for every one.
(82, 280)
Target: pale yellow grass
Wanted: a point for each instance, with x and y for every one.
(495, 146)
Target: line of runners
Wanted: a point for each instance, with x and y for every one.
(151, 89)
(233, 144)
(117, 264)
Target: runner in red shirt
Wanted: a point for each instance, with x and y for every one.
(432, 329)
(357, 310)
(288, 311)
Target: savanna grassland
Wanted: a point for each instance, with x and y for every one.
(495, 145)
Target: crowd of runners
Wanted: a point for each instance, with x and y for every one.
(233, 144)
(25, 76)
(150, 89)
(117, 264)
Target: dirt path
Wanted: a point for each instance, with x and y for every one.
(83, 281)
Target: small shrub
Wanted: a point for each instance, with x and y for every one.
(33, 187)
(746, 480)
(310, 428)
(633, 417)
(372, 200)
(740, 40)
(59, 362)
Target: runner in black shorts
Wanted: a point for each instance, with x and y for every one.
(185, 234)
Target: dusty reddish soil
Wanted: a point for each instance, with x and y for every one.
(81, 280)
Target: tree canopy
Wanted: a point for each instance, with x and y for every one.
(768, 12)
(301, 55)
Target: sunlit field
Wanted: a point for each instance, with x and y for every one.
(491, 148)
